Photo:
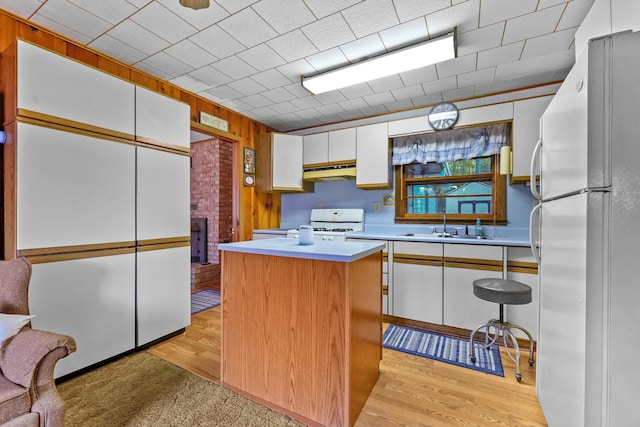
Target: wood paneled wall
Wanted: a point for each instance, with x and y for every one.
(257, 210)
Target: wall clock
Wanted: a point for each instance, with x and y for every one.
(249, 180)
(443, 116)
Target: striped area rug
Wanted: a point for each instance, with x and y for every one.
(442, 348)
(203, 300)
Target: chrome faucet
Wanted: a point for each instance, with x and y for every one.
(444, 222)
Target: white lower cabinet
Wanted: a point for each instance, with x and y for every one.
(462, 265)
(93, 300)
(522, 266)
(417, 281)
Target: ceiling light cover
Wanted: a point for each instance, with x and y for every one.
(195, 4)
(406, 59)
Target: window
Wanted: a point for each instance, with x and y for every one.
(466, 189)
(454, 171)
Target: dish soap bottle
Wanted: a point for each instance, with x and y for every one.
(479, 231)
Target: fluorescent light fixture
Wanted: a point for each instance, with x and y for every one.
(405, 59)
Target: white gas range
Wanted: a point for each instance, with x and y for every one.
(333, 224)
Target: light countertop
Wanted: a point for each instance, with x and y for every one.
(320, 250)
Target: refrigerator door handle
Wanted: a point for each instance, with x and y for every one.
(534, 219)
(532, 173)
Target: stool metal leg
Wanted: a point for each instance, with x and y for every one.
(506, 336)
(531, 349)
(487, 342)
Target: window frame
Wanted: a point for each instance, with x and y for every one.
(498, 197)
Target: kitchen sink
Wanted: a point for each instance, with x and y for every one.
(446, 235)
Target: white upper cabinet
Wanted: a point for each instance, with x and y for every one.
(163, 198)
(526, 132)
(342, 146)
(160, 119)
(56, 86)
(373, 160)
(409, 126)
(316, 149)
(279, 164)
(73, 189)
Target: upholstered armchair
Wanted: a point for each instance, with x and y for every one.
(28, 395)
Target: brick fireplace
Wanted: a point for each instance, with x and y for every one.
(211, 207)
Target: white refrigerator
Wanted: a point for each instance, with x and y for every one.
(586, 233)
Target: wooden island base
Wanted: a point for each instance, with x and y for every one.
(302, 336)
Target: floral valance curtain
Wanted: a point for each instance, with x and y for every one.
(450, 145)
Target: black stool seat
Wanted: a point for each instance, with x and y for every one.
(502, 291)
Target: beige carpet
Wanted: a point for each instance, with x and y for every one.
(143, 390)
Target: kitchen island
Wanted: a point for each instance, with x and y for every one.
(302, 326)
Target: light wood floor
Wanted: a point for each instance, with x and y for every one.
(411, 390)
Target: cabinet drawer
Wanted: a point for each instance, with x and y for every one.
(452, 250)
(403, 249)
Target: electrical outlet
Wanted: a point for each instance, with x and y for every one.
(377, 207)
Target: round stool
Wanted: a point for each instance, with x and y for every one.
(503, 292)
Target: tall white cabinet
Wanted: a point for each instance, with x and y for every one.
(97, 197)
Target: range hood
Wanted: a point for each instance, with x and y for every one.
(330, 173)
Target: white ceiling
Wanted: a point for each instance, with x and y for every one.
(249, 55)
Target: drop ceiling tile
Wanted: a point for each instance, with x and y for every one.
(263, 112)
(322, 8)
(71, 20)
(297, 90)
(330, 109)
(327, 60)
(111, 11)
(371, 17)
(224, 92)
(404, 34)
(292, 46)
(23, 8)
(248, 27)
(238, 105)
(162, 22)
(386, 83)
(168, 64)
(293, 70)
(463, 16)
(405, 104)
(460, 65)
(500, 55)
(408, 92)
(363, 48)
(278, 94)
(329, 32)
(191, 54)
(350, 115)
(261, 57)
(330, 97)
(574, 14)
(217, 42)
(462, 93)
(232, 6)
(284, 15)
(139, 3)
(117, 49)
(532, 25)
(500, 10)
(535, 65)
(138, 37)
(354, 104)
(475, 78)
(430, 99)
(305, 103)
(419, 75)
(284, 107)
(234, 66)
(484, 38)
(190, 83)
(246, 86)
(201, 18)
(374, 110)
(153, 70)
(256, 100)
(410, 9)
(356, 91)
(271, 79)
(379, 98)
(449, 83)
(210, 76)
(553, 42)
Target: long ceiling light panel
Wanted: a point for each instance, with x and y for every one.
(406, 59)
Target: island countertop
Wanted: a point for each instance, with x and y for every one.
(320, 250)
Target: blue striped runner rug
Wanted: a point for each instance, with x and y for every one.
(203, 300)
(442, 348)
